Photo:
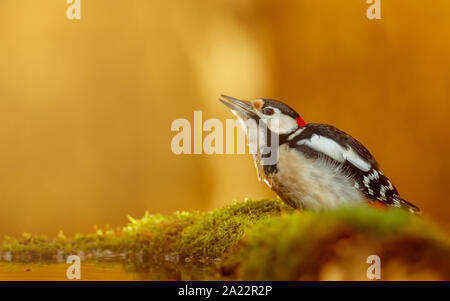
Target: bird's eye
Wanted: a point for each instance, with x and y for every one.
(268, 111)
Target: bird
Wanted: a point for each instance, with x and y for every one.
(317, 166)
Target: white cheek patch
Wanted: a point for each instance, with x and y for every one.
(279, 123)
(332, 149)
(287, 124)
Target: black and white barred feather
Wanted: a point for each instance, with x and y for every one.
(318, 140)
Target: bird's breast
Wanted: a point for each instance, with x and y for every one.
(309, 183)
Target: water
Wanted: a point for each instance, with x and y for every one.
(57, 272)
(105, 271)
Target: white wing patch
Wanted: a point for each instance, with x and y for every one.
(325, 145)
(356, 160)
(332, 149)
(296, 133)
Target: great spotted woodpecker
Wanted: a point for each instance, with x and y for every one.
(318, 166)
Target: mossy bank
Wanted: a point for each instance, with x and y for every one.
(257, 240)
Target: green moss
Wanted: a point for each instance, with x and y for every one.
(300, 246)
(261, 240)
(182, 233)
(221, 229)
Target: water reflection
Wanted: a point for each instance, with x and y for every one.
(13, 271)
(108, 271)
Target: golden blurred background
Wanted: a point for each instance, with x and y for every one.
(86, 105)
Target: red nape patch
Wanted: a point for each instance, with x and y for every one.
(300, 121)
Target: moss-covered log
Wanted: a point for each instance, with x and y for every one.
(259, 240)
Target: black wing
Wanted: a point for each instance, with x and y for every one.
(377, 186)
(372, 182)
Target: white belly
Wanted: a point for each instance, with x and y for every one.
(312, 183)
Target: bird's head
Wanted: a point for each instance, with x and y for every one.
(279, 117)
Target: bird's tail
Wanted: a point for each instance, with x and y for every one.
(408, 206)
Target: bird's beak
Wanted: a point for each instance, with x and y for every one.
(241, 108)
